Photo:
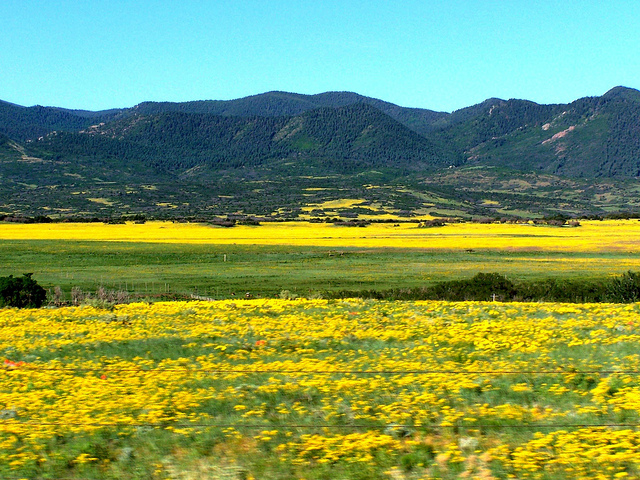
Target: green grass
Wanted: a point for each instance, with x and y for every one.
(153, 268)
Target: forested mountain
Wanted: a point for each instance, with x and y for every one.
(23, 123)
(590, 137)
(274, 104)
(343, 139)
(335, 136)
(29, 122)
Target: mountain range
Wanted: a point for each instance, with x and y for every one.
(221, 156)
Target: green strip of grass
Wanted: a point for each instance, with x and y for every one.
(152, 268)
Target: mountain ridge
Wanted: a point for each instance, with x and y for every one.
(330, 141)
(175, 140)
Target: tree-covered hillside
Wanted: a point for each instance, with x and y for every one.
(275, 104)
(24, 123)
(590, 137)
(343, 139)
(269, 151)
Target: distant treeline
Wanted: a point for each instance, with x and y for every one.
(240, 219)
(72, 219)
(494, 286)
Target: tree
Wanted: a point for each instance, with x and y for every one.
(21, 292)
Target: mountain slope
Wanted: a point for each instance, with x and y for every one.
(279, 150)
(9, 149)
(274, 104)
(22, 123)
(343, 139)
(590, 137)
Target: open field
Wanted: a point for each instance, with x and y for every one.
(592, 236)
(317, 389)
(306, 258)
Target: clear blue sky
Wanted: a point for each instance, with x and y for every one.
(441, 55)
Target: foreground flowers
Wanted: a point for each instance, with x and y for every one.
(279, 388)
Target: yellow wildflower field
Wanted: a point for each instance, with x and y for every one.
(321, 389)
(307, 258)
(592, 236)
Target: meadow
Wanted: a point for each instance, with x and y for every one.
(318, 389)
(312, 388)
(306, 258)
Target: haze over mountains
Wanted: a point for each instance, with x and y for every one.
(277, 136)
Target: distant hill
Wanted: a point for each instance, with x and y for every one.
(275, 104)
(340, 139)
(28, 122)
(22, 123)
(590, 137)
(343, 139)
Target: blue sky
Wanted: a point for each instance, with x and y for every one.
(441, 55)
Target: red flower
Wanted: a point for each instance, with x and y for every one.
(10, 364)
(260, 343)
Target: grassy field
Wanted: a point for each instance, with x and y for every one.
(307, 258)
(320, 389)
(317, 389)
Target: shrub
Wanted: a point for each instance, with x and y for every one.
(482, 286)
(562, 290)
(21, 292)
(625, 289)
(436, 222)
(287, 295)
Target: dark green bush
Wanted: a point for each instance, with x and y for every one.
(562, 290)
(21, 292)
(483, 287)
(625, 288)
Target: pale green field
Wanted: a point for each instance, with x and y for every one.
(307, 258)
